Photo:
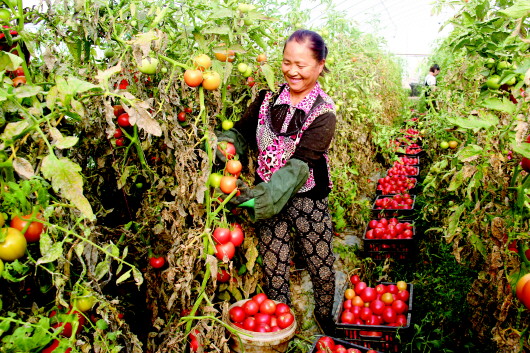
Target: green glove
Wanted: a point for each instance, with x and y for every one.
(245, 194)
(250, 203)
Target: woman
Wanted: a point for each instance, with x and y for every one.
(292, 130)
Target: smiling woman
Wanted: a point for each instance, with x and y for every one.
(291, 130)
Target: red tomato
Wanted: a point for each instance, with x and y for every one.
(380, 288)
(157, 261)
(285, 320)
(262, 318)
(403, 295)
(399, 306)
(221, 235)
(118, 133)
(368, 294)
(522, 290)
(233, 166)
(19, 80)
(377, 307)
(366, 313)
(225, 252)
(181, 117)
(223, 276)
(359, 287)
(188, 110)
(249, 324)
(237, 314)
(237, 236)
(268, 306)
(325, 343)
(120, 141)
(282, 308)
(354, 279)
(263, 328)
(259, 298)
(389, 315)
(227, 149)
(118, 110)
(251, 308)
(228, 184)
(32, 234)
(123, 120)
(373, 223)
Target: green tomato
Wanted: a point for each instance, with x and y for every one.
(503, 65)
(85, 302)
(511, 81)
(163, 70)
(102, 324)
(5, 15)
(444, 145)
(248, 21)
(245, 7)
(215, 179)
(227, 124)
(109, 53)
(248, 72)
(489, 62)
(493, 82)
(148, 66)
(134, 23)
(242, 67)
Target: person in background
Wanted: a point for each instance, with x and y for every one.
(291, 131)
(430, 83)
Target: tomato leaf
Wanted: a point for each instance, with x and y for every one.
(25, 91)
(138, 277)
(13, 130)
(522, 148)
(23, 167)
(9, 61)
(474, 123)
(470, 153)
(453, 223)
(124, 277)
(502, 106)
(102, 269)
(65, 178)
(520, 9)
(269, 76)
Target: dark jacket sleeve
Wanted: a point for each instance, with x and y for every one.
(316, 139)
(248, 124)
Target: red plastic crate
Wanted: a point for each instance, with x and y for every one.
(396, 249)
(383, 338)
(346, 345)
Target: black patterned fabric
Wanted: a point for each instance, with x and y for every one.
(313, 234)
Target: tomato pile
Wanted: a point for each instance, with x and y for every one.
(384, 304)
(403, 169)
(261, 314)
(389, 229)
(398, 184)
(395, 202)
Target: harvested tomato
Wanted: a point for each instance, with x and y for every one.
(33, 231)
(14, 245)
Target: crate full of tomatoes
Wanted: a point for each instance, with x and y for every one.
(374, 316)
(393, 205)
(397, 184)
(327, 344)
(403, 169)
(389, 238)
(411, 150)
(408, 160)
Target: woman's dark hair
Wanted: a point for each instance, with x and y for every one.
(434, 68)
(314, 42)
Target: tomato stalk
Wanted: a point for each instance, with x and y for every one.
(213, 318)
(202, 292)
(173, 62)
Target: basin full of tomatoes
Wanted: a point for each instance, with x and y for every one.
(396, 184)
(261, 314)
(372, 316)
(327, 344)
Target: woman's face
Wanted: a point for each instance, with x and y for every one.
(300, 68)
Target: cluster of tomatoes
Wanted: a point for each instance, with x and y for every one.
(227, 182)
(261, 314)
(384, 304)
(389, 229)
(326, 344)
(403, 169)
(16, 237)
(398, 184)
(200, 75)
(227, 240)
(123, 121)
(395, 202)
